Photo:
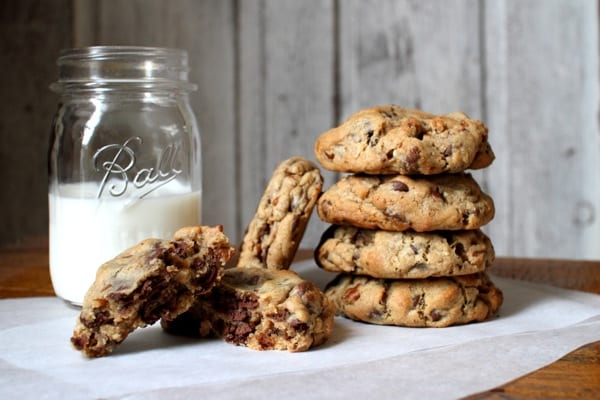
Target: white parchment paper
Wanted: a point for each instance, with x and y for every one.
(537, 325)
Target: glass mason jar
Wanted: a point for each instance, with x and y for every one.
(124, 160)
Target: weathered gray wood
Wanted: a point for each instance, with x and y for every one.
(542, 109)
(286, 91)
(414, 54)
(273, 75)
(206, 30)
(32, 33)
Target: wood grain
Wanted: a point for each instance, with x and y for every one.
(542, 108)
(273, 75)
(575, 376)
(286, 92)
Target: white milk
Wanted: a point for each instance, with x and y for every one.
(86, 232)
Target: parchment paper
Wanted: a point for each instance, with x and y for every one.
(537, 325)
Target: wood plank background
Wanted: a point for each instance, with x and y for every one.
(274, 74)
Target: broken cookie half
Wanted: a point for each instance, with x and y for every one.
(152, 280)
(261, 309)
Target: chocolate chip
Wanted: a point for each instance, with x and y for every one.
(299, 325)
(100, 318)
(181, 248)
(459, 250)
(371, 140)
(351, 294)
(448, 151)
(413, 156)
(399, 186)
(416, 300)
(435, 315)
(303, 288)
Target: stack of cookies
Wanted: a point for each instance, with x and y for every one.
(405, 235)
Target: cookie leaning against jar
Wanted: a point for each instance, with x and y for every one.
(151, 280)
(394, 140)
(401, 202)
(275, 231)
(429, 302)
(403, 255)
(261, 309)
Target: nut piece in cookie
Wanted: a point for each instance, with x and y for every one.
(261, 309)
(394, 140)
(273, 235)
(151, 280)
(400, 202)
(403, 255)
(430, 302)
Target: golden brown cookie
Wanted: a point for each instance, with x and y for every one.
(430, 302)
(151, 280)
(261, 309)
(273, 235)
(399, 202)
(403, 255)
(394, 140)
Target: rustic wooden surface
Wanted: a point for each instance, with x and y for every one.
(274, 74)
(24, 273)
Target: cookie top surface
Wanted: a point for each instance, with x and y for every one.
(274, 233)
(403, 255)
(394, 140)
(400, 202)
(431, 302)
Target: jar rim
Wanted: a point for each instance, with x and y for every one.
(106, 67)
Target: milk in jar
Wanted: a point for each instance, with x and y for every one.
(85, 232)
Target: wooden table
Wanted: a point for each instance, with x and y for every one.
(24, 273)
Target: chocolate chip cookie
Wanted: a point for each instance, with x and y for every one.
(394, 140)
(273, 235)
(400, 202)
(403, 255)
(151, 280)
(430, 302)
(261, 309)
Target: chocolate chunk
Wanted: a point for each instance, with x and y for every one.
(413, 157)
(459, 249)
(399, 186)
(352, 294)
(416, 300)
(448, 151)
(435, 315)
